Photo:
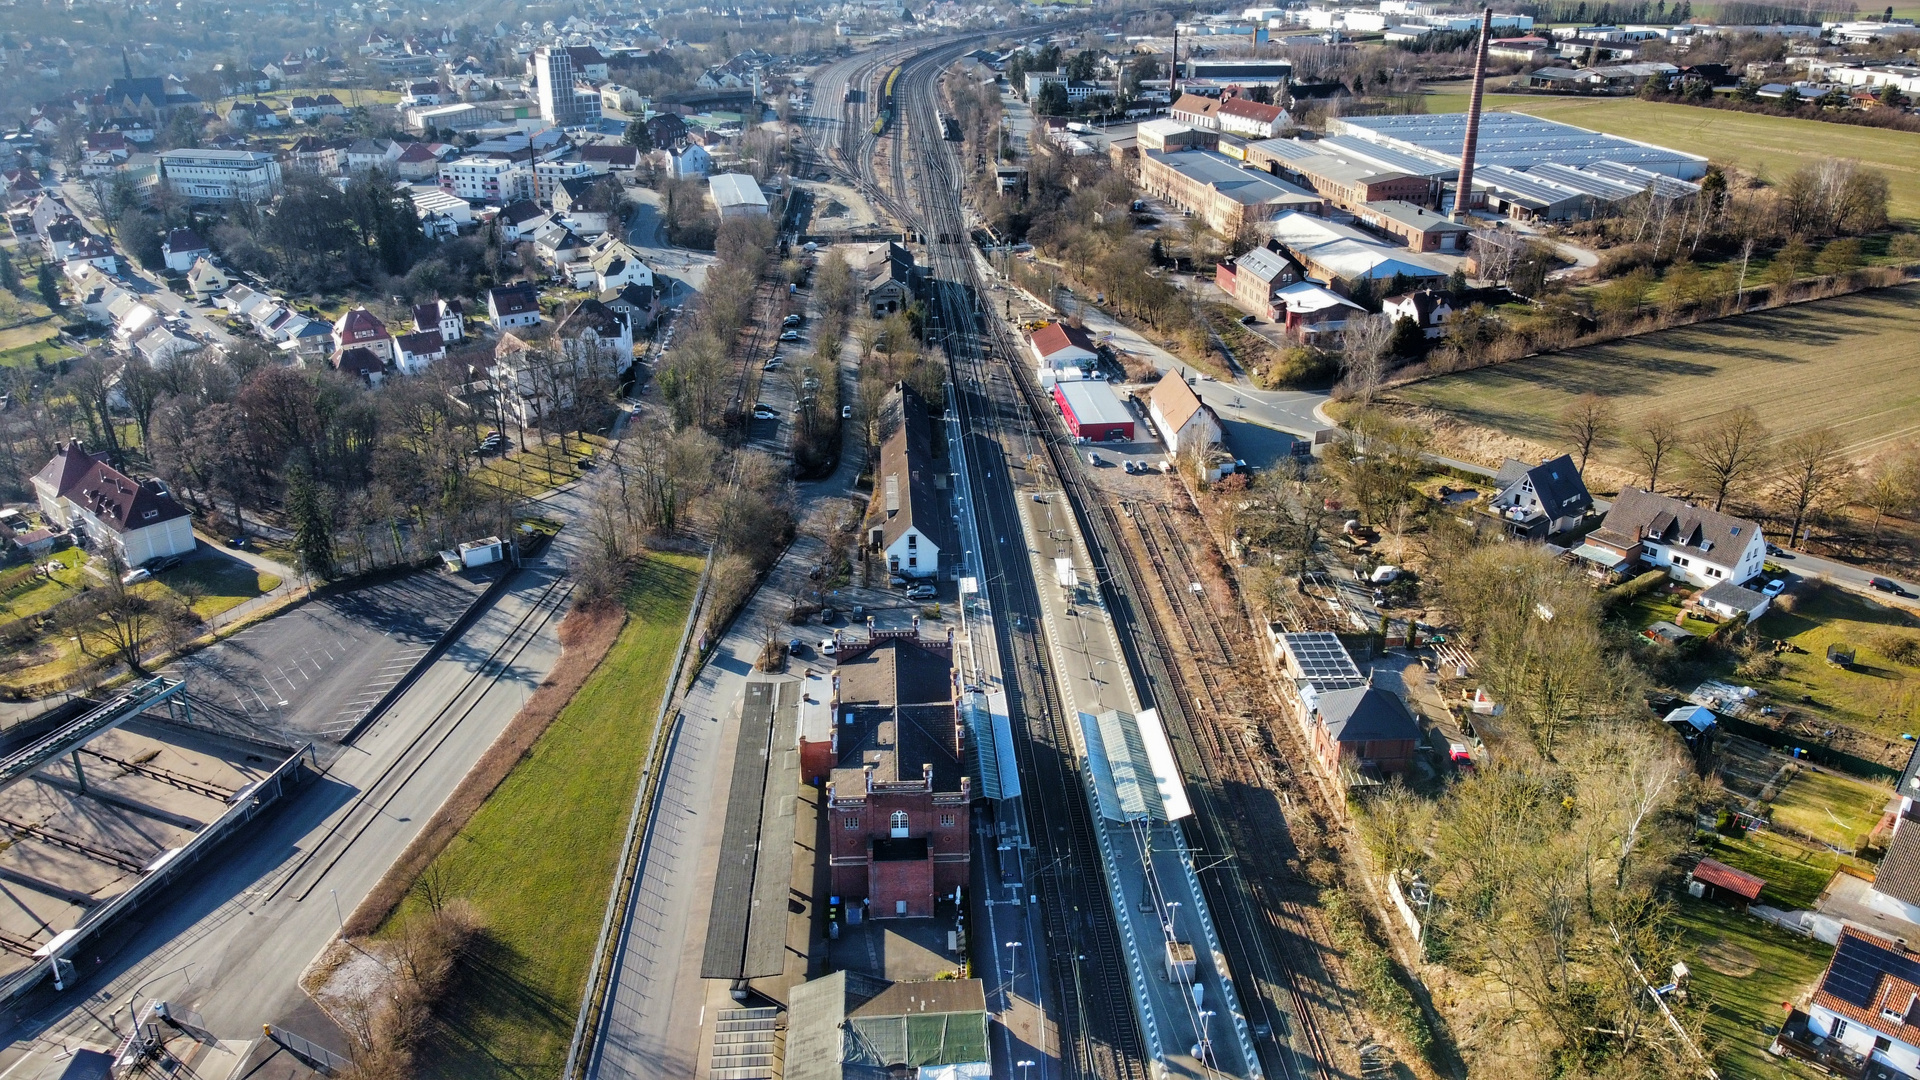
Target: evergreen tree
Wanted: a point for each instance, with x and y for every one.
(638, 137)
(9, 276)
(49, 287)
(312, 531)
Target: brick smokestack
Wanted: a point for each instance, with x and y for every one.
(1463, 191)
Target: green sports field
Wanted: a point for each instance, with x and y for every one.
(1849, 363)
(1770, 147)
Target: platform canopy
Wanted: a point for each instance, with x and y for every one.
(1134, 772)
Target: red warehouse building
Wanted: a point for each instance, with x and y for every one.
(1093, 411)
(898, 793)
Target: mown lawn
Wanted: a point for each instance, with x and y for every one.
(1658, 605)
(1742, 970)
(213, 582)
(1795, 874)
(1877, 694)
(537, 860)
(1828, 807)
(32, 597)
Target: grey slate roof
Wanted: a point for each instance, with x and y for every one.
(1366, 714)
(1726, 592)
(1639, 515)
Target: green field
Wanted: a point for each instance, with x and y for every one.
(1770, 147)
(1796, 875)
(537, 860)
(1829, 807)
(1877, 694)
(1742, 969)
(216, 582)
(1848, 363)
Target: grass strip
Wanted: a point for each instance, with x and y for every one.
(532, 835)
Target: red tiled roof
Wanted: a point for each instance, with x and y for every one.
(1721, 876)
(1251, 110)
(359, 360)
(1054, 337)
(361, 325)
(107, 493)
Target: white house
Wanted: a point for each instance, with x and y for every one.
(1868, 1001)
(181, 248)
(1428, 308)
(1183, 420)
(905, 519)
(1729, 601)
(1699, 546)
(1536, 501)
(445, 316)
(140, 519)
(206, 280)
(617, 265)
(415, 351)
(1057, 345)
(513, 305)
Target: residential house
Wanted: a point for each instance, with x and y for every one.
(441, 214)
(1255, 279)
(362, 329)
(362, 362)
(616, 265)
(1896, 884)
(604, 158)
(639, 305)
(252, 115)
(310, 110)
(1428, 308)
(1868, 1001)
(573, 199)
(413, 352)
(139, 519)
(1058, 346)
(516, 220)
(1699, 546)
(311, 153)
(1249, 118)
(557, 248)
(1184, 421)
(160, 345)
(444, 316)
(667, 131)
(593, 336)
(364, 154)
(1725, 600)
(182, 248)
(429, 92)
(417, 162)
(898, 795)
(513, 305)
(908, 517)
(92, 251)
(685, 162)
(1364, 730)
(1538, 501)
(205, 280)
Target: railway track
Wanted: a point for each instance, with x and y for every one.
(1086, 964)
(1260, 923)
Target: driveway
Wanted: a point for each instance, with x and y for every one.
(647, 234)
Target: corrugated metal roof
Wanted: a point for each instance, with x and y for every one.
(1135, 775)
(736, 189)
(1599, 187)
(1389, 157)
(1094, 402)
(1516, 185)
(1663, 185)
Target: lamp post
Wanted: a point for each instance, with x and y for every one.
(1023, 1067)
(1013, 964)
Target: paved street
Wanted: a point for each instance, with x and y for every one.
(201, 321)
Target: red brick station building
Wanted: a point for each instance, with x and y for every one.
(897, 789)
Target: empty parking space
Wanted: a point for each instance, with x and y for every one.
(314, 672)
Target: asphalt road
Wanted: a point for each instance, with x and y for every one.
(150, 286)
(233, 937)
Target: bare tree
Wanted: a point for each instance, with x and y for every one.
(1588, 421)
(1653, 444)
(1364, 353)
(127, 621)
(1726, 452)
(1811, 468)
(1890, 486)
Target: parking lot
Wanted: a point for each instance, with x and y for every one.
(314, 672)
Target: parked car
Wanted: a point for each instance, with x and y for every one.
(1774, 588)
(763, 413)
(790, 335)
(1093, 458)
(134, 577)
(827, 646)
(161, 566)
(1458, 754)
(771, 365)
(846, 412)
(791, 320)
(921, 592)
(1886, 585)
